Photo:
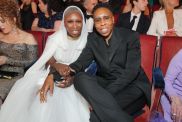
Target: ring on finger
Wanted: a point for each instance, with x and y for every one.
(41, 92)
(174, 114)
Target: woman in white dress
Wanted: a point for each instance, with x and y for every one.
(66, 104)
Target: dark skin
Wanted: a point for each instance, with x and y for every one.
(104, 23)
(73, 25)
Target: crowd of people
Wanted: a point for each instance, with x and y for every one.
(58, 84)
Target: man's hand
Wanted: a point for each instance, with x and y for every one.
(48, 85)
(68, 81)
(63, 69)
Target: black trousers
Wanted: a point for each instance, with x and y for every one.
(108, 107)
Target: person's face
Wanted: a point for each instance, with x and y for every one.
(104, 21)
(6, 26)
(171, 3)
(42, 6)
(141, 4)
(73, 24)
(90, 5)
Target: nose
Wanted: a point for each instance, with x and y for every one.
(74, 25)
(102, 22)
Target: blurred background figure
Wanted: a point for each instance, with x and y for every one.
(167, 21)
(18, 49)
(28, 10)
(49, 19)
(89, 5)
(135, 19)
(172, 98)
(115, 5)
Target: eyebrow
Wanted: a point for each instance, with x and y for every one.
(103, 16)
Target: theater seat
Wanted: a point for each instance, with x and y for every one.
(169, 47)
(148, 59)
(39, 37)
(46, 37)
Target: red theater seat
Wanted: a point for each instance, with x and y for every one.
(169, 47)
(46, 37)
(39, 37)
(148, 57)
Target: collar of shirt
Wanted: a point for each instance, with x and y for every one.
(132, 15)
(136, 20)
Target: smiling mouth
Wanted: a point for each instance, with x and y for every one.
(75, 31)
(104, 30)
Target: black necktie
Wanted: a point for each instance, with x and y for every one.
(132, 22)
(88, 16)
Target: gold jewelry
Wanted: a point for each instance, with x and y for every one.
(41, 92)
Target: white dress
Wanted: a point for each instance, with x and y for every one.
(66, 104)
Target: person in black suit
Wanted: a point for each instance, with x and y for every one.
(89, 5)
(135, 19)
(120, 87)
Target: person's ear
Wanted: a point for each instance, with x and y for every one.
(113, 19)
(14, 19)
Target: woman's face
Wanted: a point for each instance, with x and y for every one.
(42, 6)
(73, 24)
(6, 26)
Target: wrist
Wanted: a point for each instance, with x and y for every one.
(174, 98)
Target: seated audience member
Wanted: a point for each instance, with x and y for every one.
(167, 22)
(89, 5)
(66, 105)
(28, 11)
(135, 19)
(128, 7)
(120, 87)
(49, 19)
(114, 4)
(18, 49)
(172, 98)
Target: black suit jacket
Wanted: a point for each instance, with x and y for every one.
(119, 65)
(143, 24)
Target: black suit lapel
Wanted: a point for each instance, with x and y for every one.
(140, 24)
(128, 16)
(102, 50)
(115, 43)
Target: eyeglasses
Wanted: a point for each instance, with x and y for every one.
(99, 20)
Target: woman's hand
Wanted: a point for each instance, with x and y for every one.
(3, 60)
(63, 69)
(176, 108)
(48, 85)
(170, 32)
(68, 81)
